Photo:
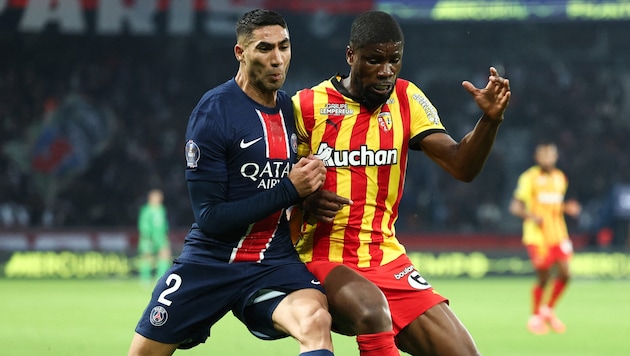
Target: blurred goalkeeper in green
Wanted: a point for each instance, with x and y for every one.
(153, 245)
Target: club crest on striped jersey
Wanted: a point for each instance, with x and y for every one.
(192, 154)
(385, 121)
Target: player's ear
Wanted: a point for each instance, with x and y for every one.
(349, 55)
(238, 52)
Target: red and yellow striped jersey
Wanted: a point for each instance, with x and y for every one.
(543, 195)
(365, 153)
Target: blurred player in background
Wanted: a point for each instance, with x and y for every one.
(539, 199)
(362, 126)
(241, 150)
(154, 249)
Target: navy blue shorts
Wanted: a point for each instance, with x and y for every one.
(191, 297)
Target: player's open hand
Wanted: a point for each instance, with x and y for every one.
(324, 205)
(494, 98)
(572, 208)
(308, 175)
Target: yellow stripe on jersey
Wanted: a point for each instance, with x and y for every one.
(366, 155)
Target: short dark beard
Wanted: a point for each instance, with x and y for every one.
(371, 100)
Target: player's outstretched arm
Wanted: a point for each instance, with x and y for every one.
(465, 159)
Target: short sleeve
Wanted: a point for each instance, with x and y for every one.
(424, 116)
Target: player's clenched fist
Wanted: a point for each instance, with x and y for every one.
(308, 175)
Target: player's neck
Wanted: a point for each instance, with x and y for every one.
(546, 169)
(261, 96)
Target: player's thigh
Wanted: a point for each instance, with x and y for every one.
(302, 309)
(436, 332)
(357, 305)
(268, 286)
(563, 269)
(142, 346)
(562, 254)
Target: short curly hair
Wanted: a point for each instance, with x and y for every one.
(374, 27)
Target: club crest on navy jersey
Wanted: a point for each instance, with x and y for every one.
(294, 143)
(158, 316)
(192, 154)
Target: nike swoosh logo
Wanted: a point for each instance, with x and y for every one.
(244, 144)
(313, 281)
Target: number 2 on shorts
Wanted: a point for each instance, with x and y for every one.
(177, 283)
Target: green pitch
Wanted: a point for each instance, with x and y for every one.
(97, 317)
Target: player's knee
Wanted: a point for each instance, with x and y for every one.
(322, 319)
(372, 318)
(363, 310)
(315, 320)
(313, 328)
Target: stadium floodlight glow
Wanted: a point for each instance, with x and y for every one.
(507, 10)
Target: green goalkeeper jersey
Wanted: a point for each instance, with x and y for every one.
(153, 225)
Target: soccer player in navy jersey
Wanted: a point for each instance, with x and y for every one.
(363, 126)
(238, 256)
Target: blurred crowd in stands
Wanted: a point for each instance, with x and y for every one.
(89, 124)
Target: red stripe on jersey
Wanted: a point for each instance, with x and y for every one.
(275, 135)
(253, 245)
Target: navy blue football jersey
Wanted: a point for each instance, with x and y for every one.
(250, 148)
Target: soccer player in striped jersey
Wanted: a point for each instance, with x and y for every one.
(362, 126)
(539, 199)
(242, 175)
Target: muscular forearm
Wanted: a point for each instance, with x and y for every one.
(474, 148)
